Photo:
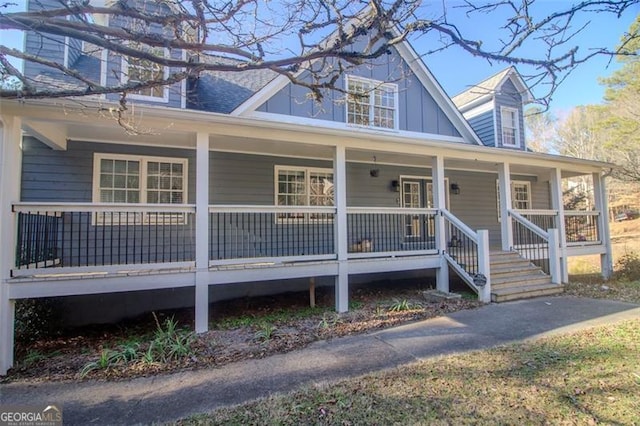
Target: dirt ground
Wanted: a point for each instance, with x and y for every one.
(235, 327)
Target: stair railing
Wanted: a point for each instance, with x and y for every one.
(541, 247)
(467, 251)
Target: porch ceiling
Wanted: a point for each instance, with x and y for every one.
(58, 123)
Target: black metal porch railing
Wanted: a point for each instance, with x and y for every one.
(254, 232)
(38, 239)
(462, 245)
(581, 227)
(380, 230)
(67, 235)
(531, 241)
(543, 219)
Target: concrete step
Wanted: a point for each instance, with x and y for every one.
(511, 270)
(499, 263)
(521, 281)
(516, 293)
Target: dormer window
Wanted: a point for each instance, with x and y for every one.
(137, 70)
(510, 126)
(372, 103)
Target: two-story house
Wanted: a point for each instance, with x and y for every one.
(239, 181)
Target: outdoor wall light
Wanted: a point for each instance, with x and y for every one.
(375, 171)
(455, 188)
(395, 185)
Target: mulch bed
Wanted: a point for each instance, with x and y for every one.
(233, 336)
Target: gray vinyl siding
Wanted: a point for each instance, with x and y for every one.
(66, 176)
(417, 110)
(483, 125)
(509, 96)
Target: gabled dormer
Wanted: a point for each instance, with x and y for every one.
(494, 109)
(103, 67)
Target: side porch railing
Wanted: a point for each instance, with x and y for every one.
(467, 251)
(582, 227)
(540, 247)
(78, 237)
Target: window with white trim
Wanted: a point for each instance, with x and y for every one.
(520, 195)
(137, 70)
(510, 126)
(371, 103)
(303, 186)
(133, 179)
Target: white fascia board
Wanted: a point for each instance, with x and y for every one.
(480, 109)
(338, 125)
(481, 100)
(191, 121)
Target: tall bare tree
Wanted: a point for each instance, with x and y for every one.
(320, 37)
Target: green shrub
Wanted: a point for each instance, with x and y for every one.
(628, 267)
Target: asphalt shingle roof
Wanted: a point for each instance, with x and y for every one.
(481, 89)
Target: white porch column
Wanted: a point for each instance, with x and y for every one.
(437, 176)
(602, 204)
(558, 205)
(484, 265)
(340, 228)
(10, 171)
(202, 232)
(504, 182)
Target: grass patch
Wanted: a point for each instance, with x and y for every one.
(278, 316)
(592, 286)
(585, 378)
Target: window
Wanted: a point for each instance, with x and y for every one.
(510, 126)
(299, 186)
(136, 70)
(520, 195)
(371, 103)
(134, 179)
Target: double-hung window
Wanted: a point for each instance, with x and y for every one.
(520, 195)
(372, 103)
(510, 126)
(139, 70)
(303, 186)
(133, 179)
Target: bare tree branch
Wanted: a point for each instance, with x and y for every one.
(324, 38)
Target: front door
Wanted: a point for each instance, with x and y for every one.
(418, 193)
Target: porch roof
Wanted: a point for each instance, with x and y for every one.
(61, 120)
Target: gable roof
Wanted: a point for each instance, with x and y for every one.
(415, 63)
(489, 87)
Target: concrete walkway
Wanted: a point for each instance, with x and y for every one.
(169, 397)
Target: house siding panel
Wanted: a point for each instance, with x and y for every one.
(510, 97)
(417, 110)
(483, 126)
(66, 176)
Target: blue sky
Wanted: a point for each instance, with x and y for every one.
(456, 70)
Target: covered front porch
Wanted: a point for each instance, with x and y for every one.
(264, 201)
